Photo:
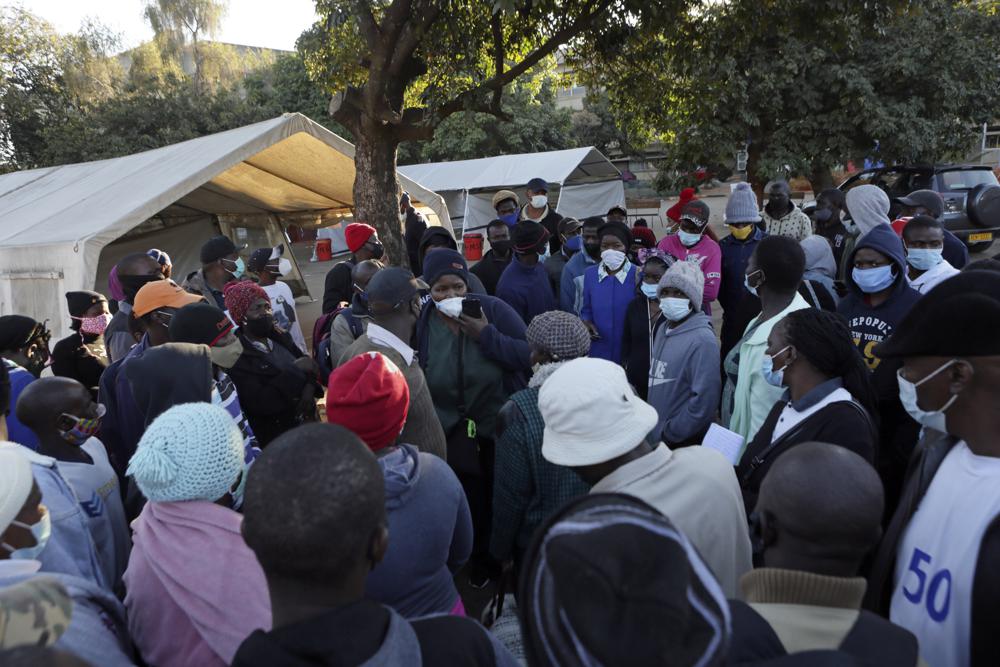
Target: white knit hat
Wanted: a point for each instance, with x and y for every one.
(193, 451)
(591, 414)
(15, 483)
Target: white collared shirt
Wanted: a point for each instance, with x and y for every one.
(621, 276)
(386, 338)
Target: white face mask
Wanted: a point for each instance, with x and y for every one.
(613, 259)
(451, 307)
(649, 290)
(675, 309)
(539, 201)
(40, 531)
(283, 269)
(908, 397)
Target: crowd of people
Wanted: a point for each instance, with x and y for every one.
(568, 426)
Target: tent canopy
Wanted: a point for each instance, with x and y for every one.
(582, 181)
(575, 165)
(55, 221)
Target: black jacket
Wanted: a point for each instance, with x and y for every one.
(841, 423)
(73, 359)
(414, 229)
(269, 386)
(489, 269)
(635, 345)
(551, 223)
(984, 642)
(871, 641)
(337, 286)
(365, 631)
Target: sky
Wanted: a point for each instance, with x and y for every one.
(274, 24)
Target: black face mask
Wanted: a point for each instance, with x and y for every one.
(377, 250)
(132, 284)
(502, 248)
(822, 215)
(593, 249)
(261, 327)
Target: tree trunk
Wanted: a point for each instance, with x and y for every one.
(753, 178)
(376, 190)
(820, 177)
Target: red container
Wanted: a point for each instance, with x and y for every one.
(324, 250)
(472, 243)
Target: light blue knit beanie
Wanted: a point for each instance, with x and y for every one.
(742, 205)
(193, 451)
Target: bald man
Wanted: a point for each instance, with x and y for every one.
(351, 323)
(817, 517)
(63, 415)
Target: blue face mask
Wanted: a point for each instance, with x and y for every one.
(574, 243)
(649, 291)
(240, 267)
(924, 259)
(688, 239)
(746, 283)
(775, 378)
(874, 280)
(510, 218)
(40, 531)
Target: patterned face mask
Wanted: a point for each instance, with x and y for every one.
(77, 430)
(94, 325)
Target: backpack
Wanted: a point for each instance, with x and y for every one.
(321, 336)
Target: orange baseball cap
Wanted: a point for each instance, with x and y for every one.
(162, 294)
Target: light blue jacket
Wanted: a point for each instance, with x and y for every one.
(571, 283)
(747, 403)
(70, 549)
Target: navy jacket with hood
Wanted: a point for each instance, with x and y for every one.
(870, 325)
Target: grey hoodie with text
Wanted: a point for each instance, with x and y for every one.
(684, 379)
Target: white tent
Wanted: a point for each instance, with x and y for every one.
(63, 228)
(582, 182)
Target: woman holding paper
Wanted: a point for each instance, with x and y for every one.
(684, 378)
(829, 396)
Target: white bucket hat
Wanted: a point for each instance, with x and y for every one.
(591, 414)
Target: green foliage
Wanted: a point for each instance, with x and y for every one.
(535, 124)
(810, 84)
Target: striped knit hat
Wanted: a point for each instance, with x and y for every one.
(240, 296)
(193, 451)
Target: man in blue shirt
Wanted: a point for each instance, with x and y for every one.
(571, 284)
(24, 351)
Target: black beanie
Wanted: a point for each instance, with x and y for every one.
(16, 331)
(199, 323)
(958, 318)
(618, 229)
(81, 301)
(528, 236)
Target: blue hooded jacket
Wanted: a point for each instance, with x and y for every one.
(870, 325)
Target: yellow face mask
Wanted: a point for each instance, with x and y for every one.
(741, 232)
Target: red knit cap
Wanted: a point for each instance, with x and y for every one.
(357, 234)
(240, 296)
(674, 212)
(369, 396)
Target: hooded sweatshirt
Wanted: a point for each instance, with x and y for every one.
(434, 236)
(869, 207)
(706, 254)
(870, 325)
(431, 534)
(684, 379)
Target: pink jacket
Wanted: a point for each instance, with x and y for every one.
(707, 254)
(195, 590)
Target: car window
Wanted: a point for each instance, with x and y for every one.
(966, 179)
(864, 178)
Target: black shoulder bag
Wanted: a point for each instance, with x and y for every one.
(463, 444)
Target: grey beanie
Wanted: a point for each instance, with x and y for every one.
(688, 278)
(742, 205)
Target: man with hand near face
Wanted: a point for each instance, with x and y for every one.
(269, 265)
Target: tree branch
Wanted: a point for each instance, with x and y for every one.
(413, 31)
(366, 20)
(467, 99)
(496, 27)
